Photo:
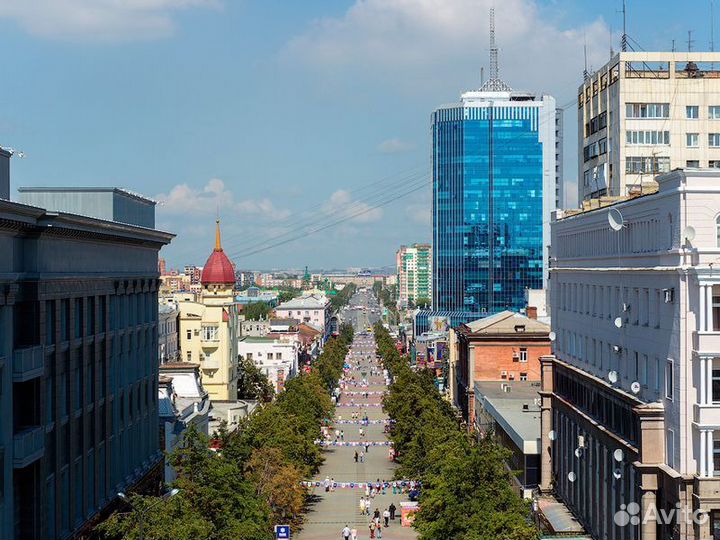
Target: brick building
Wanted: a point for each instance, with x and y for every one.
(506, 346)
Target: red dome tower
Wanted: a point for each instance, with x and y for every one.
(218, 269)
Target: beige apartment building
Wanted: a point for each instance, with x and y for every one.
(644, 114)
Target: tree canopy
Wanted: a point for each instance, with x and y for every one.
(256, 311)
(253, 383)
(466, 487)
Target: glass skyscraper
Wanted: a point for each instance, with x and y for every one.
(493, 191)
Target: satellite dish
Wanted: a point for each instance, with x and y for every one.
(552, 435)
(613, 377)
(617, 473)
(618, 322)
(552, 336)
(615, 219)
(618, 455)
(689, 233)
(572, 476)
(635, 387)
(578, 452)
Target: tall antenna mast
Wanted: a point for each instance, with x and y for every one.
(494, 69)
(494, 84)
(624, 40)
(690, 41)
(586, 75)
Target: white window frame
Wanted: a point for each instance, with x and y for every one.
(670, 379)
(692, 140)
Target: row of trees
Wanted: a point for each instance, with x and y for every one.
(467, 492)
(342, 298)
(253, 481)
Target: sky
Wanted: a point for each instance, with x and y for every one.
(303, 124)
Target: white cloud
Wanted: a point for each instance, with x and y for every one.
(101, 20)
(213, 196)
(342, 206)
(418, 44)
(421, 214)
(394, 146)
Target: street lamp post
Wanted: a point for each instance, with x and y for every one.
(142, 512)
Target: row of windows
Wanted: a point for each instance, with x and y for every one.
(648, 137)
(692, 140)
(632, 366)
(638, 306)
(596, 124)
(647, 110)
(647, 164)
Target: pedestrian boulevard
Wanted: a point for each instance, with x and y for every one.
(331, 511)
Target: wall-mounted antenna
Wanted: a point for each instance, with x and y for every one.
(690, 41)
(612, 52)
(586, 75)
(673, 45)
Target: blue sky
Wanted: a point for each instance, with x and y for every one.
(285, 115)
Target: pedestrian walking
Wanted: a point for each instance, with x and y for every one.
(362, 456)
(376, 515)
(386, 517)
(367, 447)
(392, 510)
(356, 456)
(379, 529)
(367, 492)
(371, 526)
(346, 533)
(332, 484)
(326, 484)
(342, 435)
(362, 506)
(353, 534)
(394, 486)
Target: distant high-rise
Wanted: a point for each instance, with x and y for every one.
(414, 273)
(494, 175)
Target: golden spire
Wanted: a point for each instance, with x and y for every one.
(218, 247)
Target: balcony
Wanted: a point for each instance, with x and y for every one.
(706, 415)
(28, 363)
(28, 446)
(706, 342)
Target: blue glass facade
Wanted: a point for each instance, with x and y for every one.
(487, 205)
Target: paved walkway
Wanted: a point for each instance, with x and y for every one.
(331, 511)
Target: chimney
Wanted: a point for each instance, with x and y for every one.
(4, 174)
(531, 312)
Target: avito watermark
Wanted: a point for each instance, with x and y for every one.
(630, 514)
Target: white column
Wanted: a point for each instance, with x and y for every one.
(710, 464)
(702, 313)
(703, 453)
(703, 380)
(708, 308)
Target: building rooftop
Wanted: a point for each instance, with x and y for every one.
(507, 322)
(305, 302)
(507, 409)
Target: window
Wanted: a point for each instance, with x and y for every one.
(657, 374)
(645, 367)
(716, 457)
(249, 356)
(714, 112)
(692, 111)
(210, 333)
(269, 356)
(647, 137)
(523, 376)
(714, 164)
(669, 380)
(714, 140)
(716, 313)
(670, 447)
(189, 356)
(716, 385)
(189, 334)
(278, 356)
(647, 164)
(523, 354)
(692, 163)
(692, 140)
(647, 110)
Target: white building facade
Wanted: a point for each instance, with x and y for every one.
(647, 113)
(631, 397)
(277, 358)
(311, 309)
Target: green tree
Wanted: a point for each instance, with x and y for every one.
(256, 311)
(423, 303)
(253, 383)
(287, 294)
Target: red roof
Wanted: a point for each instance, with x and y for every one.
(218, 268)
